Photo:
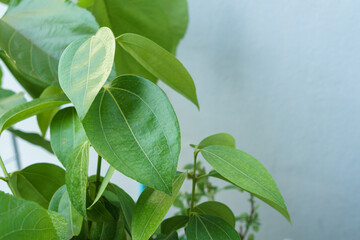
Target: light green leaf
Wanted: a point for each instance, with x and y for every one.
(104, 184)
(60, 202)
(160, 63)
(85, 66)
(76, 177)
(28, 220)
(151, 208)
(217, 209)
(38, 182)
(174, 223)
(247, 173)
(8, 100)
(223, 139)
(37, 50)
(32, 138)
(135, 115)
(210, 228)
(66, 133)
(1, 75)
(25, 110)
(44, 118)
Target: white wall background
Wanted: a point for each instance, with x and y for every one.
(283, 78)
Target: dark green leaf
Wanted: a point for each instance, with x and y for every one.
(174, 223)
(32, 138)
(210, 228)
(108, 230)
(223, 139)
(151, 208)
(25, 110)
(246, 172)
(76, 176)
(133, 126)
(8, 100)
(23, 219)
(60, 202)
(160, 63)
(216, 209)
(85, 66)
(36, 50)
(38, 182)
(66, 133)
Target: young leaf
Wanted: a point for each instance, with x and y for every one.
(104, 184)
(38, 182)
(36, 50)
(151, 208)
(133, 126)
(8, 100)
(32, 138)
(44, 118)
(25, 110)
(23, 219)
(85, 66)
(246, 172)
(161, 63)
(60, 202)
(216, 209)
(210, 228)
(174, 223)
(66, 133)
(76, 177)
(223, 139)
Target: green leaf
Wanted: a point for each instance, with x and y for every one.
(209, 227)
(85, 66)
(104, 184)
(174, 223)
(1, 75)
(8, 100)
(217, 209)
(136, 115)
(25, 110)
(151, 208)
(76, 177)
(36, 50)
(32, 138)
(38, 182)
(108, 230)
(60, 202)
(247, 173)
(223, 139)
(161, 63)
(44, 118)
(66, 133)
(27, 220)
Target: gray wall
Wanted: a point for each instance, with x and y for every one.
(282, 77)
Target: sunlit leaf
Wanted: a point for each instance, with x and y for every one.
(8, 100)
(104, 184)
(223, 139)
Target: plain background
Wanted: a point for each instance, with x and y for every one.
(283, 78)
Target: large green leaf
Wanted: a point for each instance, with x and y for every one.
(85, 66)
(76, 176)
(60, 202)
(161, 63)
(216, 209)
(246, 172)
(21, 219)
(25, 110)
(38, 182)
(44, 118)
(210, 228)
(8, 100)
(133, 126)
(223, 139)
(151, 208)
(174, 223)
(66, 133)
(34, 36)
(32, 138)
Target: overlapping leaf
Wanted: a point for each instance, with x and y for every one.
(223, 139)
(8, 100)
(217, 209)
(32, 138)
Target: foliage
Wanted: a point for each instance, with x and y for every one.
(104, 58)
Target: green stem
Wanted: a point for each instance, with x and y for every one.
(98, 171)
(7, 177)
(6, 174)
(194, 180)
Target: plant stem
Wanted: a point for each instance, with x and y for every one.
(194, 179)
(98, 171)
(249, 221)
(7, 177)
